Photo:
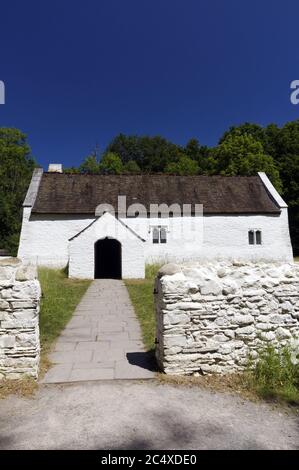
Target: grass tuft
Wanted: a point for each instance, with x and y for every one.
(24, 387)
(142, 298)
(275, 375)
(151, 271)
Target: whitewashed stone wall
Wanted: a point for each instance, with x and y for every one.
(45, 238)
(19, 319)
(81, 248)
(211, 316)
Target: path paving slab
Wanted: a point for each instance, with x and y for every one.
(102, 341)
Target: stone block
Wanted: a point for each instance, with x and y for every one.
(283, 333)
(26, 273)
(6, 273)
(243, 319)
(4, 305)
(211, 287)
(7, 341)
(169, 269)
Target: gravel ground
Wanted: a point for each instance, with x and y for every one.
(142, 415)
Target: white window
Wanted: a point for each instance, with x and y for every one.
(251, 237)
(159, 234)
(163, 236)
(258, 237)
(254, 237)
(156, 235)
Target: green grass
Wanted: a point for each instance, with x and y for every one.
(60, 296)
(141, 294)
(275, 375)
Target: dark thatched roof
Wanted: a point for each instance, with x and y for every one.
(81, 194)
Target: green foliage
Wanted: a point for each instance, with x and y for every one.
(16, 166)
(152, 154)
(254, 130)
(111, 164)
(276, 373)
(184, 166)
(71, 170)
(243, 155)
(131, 168)
(200, 154)
(151, 270)
(90, 165)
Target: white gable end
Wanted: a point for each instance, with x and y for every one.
(82, 248)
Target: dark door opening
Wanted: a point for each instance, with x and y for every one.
(107, 259)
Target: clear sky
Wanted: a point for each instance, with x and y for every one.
(79, 72)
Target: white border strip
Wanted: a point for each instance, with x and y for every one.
(272, 191)
(33, 187)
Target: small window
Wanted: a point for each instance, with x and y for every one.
(255, 237)
(251, 237)
(258, 237)
(159, 234)
(155, 235)
(163, 237)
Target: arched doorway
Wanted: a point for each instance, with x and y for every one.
(107, 259)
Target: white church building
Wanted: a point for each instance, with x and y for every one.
(110, 226)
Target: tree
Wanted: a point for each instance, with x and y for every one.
(111, 164)
(192, 149)
(184, 166)
(287, 156)
(256, 131)
(131, 168)
(71, 170)
(152, 154)
(16, 167)
(243, 155)
(90, 165)
(201, 154)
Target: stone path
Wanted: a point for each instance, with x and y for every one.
(102, 340)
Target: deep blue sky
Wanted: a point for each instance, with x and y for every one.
(77, 73)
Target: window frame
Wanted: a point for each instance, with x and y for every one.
(256, 239)
(159, 240)
(155, 235)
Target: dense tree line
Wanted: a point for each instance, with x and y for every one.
(242, 150)
(16, 166)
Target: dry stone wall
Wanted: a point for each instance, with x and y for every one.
(19, 319)
(210, 317)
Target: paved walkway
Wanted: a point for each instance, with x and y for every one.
(102, 340)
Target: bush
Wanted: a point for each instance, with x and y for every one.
(275, 374)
